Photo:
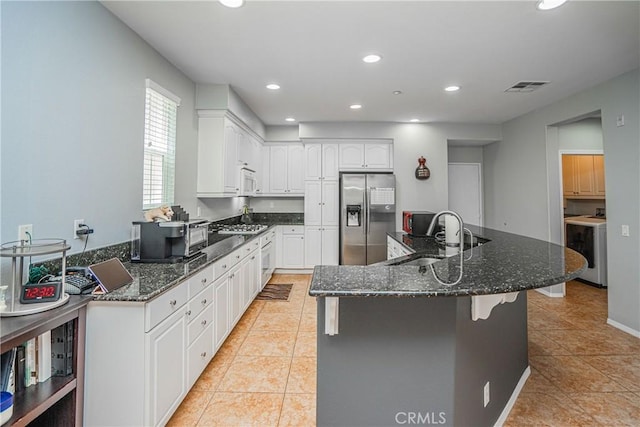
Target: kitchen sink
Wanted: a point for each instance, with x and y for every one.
(419, 261)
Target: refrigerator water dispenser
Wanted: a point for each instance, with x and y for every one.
(353, 215)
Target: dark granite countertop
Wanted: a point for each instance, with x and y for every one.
(505, 263)
(150, 280)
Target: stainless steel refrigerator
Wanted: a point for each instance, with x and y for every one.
(367, 213)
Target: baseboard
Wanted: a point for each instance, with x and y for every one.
(514, 396)
(293, 271)
(545, 291)
(623, 328)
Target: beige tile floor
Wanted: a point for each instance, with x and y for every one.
(583, 371)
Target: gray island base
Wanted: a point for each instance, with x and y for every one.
(419, 361)
(427, 339)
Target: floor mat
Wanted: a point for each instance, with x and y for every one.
(275, 292)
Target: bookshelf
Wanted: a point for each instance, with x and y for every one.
(57, 401)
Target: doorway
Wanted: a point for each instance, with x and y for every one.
(465, 191)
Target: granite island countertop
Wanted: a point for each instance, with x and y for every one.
(504, 262)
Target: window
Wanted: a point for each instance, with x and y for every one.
(161, 110)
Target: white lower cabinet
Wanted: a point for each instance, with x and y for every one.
(221, 311)
(143, 357)
(321, 246)
(292, 246)
(166, 369)
(396, 249)
(235, 294)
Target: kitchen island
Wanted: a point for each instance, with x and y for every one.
(428, 338)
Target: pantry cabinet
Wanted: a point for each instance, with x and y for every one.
(321, 162)
(321, 203)
(286, 169)
(321, 245)
(583, 176)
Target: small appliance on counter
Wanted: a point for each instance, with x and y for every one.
(168, 242)
(416, 223)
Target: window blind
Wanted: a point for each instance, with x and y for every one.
(159, 147)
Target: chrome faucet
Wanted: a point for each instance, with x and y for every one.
(434, 221)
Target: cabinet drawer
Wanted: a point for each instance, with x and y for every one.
(199, 303)
(200, 281)
(236, 256)
(293, 229)
(250, 247)
(198, 355)
(267, 237)
(200, 323)
(165, 305)
(221, 267)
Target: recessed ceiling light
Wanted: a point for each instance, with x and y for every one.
(273, 86)
(290, 119)
(550, 4)
(232, 3)
(370, 59)
(452, 88)
(414, 120)
(355, 106)
(397, 92)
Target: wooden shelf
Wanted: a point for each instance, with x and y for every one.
(36, 399)
(59, 400)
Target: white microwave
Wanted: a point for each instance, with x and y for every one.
(248, 182)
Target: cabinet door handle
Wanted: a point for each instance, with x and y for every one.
(204, 302)
(253, 257)
(203, 281)
(204, 322)
(203, 354)
(173, 303)
(224, 266)
(188, 313)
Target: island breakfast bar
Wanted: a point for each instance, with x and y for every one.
(427, 338)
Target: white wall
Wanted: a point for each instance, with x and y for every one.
(465, 154)
(582, 135)
(74, 78)
(410, 141)
(521, 177)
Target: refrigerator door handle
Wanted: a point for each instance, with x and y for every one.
(367, 210)
(364, 211)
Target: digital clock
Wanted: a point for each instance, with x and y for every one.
(40, 292)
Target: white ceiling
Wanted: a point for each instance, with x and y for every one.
(313, 49)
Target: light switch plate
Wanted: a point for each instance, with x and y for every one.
(625, 230)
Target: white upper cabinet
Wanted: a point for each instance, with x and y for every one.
(378, 156)
(223, 147)
(321, 161)
(330, 168)
(286, 169)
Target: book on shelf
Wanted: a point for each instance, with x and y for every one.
(30, 363)
(7, 362)
(62, 350)
(43, 361)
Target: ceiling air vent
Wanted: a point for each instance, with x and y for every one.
(526, 86)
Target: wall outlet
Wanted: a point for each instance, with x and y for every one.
(620, 120)
(487, 394)
(76, 227)
(25, 232)
(198, 212)
(625, 230)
